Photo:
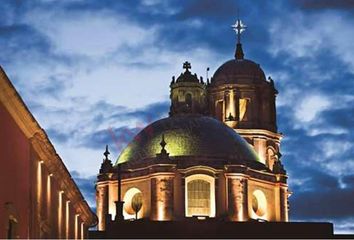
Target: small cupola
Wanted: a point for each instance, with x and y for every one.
(188, 93)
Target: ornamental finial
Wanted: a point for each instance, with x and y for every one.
(106, 153)
(163, 143)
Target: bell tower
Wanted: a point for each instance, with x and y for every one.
(240, 95)
(188, 93)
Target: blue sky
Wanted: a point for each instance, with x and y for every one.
(92, 69)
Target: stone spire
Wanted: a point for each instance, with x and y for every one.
(239, 27)
(106, 165)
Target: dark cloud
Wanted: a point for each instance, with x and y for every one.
(208, 8)
(145, 114)
(342, 117)
(326, 4)
(58, 136)
(334, 203)
(119, 137)
(86, 186)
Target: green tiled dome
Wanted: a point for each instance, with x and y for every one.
(189, 135)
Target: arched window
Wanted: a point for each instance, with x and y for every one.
(243, 108)
(189, 100)
(200, 196)
(271, 158)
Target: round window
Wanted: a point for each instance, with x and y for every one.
(133, 203)
(259, 203)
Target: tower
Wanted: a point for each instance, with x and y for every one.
(241, 97)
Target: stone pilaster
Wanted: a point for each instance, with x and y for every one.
(102, 206)
(237, 199)
(284, 204)
(162, 198)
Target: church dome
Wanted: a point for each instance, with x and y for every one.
(238, 71)
(190, 135)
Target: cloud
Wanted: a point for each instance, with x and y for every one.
(208, 8)
(86, 186)
(313, 34)
(92, 34)
(310, 106)
(323, 204)
(326, 4)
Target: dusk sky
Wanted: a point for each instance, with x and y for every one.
(96, 72)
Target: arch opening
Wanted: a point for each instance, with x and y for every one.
(200, 196)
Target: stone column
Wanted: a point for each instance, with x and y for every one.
(237, 199)
(162, 198)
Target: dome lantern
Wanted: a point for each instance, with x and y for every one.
(188, 93)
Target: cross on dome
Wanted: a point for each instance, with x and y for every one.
(239, 27)
(187, 66)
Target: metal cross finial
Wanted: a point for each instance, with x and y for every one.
(238, 27)
(106, 153)
(187, 66)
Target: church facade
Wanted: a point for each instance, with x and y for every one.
(217, 155)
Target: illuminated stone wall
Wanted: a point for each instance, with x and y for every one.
(266, 201)
(38, 196)
(162, 198)
(238, 193)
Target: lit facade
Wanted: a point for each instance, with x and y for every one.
(38, 199)
(216, 156)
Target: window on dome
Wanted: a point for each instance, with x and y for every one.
(200, 196)
(189, 100)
